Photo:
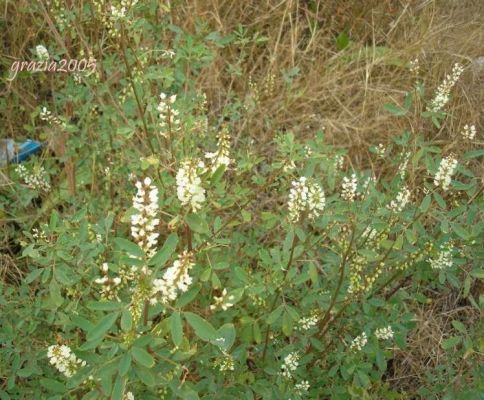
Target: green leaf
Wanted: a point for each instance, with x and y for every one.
(398, 242)
(124, 364)
(33, 275)
(218, 174)
(126, 321)
(82, 323)
(478, 273)
(142, 357)
(313, 275)
(380, 360)
(54, 219)
(436, 121)
(342, 41)
(164, 254)
(227, 332)
(145, 375)
(25, 372)
(286, 324)
(411, 236)
(407, 102)
(394, 109)
(459, 326)
(188, 297)
(451, 342)
(129, 247)
(246, 216)
(473, 154)
(288, 243)
(293, 313)
(105, 305)
(257, 332)
(274, 315)
(424, 206)
(203, 329)
(176, 328)
(467, 286)
(53, 385)
(196, 223)
(460, 230)
(55, 293)
(440, 201)
(187, 393)
(364, 379)
(100, 329)
(91, 344)
(118, 389)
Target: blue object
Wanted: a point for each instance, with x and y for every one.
(17, 152)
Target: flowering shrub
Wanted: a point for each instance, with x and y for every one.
(253, 274)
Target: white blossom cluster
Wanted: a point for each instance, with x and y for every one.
(110, 285)
(222, 155)
(359, 342)
(301, 387)
(469, 132)
(365, 185)
(46, 115)
(36, 180)
(290, 364)
(369, 233)
(443, 259)
(308, 152)
(402, 168)
(306, 323)
(398, 204)
(289, 165)
(175, 279)
(189, 184)
(223, 301)
(442, 94)
(144, 222)
(118, 12)
(128, 396)
(226, 363)
(169, 121)
(42, 52)
(384, 333)
(168, 53)
(349, 187)
(338, 162)
(39, 234)
(414, 66)
(62, 357)
(444, 174)
(305, 196)
(380, 150)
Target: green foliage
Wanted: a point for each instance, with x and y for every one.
(261, 287)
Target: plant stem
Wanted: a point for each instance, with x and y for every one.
(146, 309)
(276, 296)
(327, 315)
(138, 101)
(188, 235)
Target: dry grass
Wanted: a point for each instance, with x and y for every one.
(343, 91)
(413, 367)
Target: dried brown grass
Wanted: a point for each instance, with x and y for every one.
(344, 91)
(413, 367)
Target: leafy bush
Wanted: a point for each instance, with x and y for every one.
(171, 257)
